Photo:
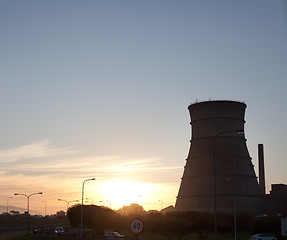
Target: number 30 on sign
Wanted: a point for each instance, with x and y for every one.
(136, 225)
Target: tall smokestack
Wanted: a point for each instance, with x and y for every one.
(261, 168)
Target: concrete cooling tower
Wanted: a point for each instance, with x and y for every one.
(218, 162)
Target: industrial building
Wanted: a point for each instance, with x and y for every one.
(276, 201)
(218, 170)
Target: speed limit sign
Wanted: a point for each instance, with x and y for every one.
(136, 225)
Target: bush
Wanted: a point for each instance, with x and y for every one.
(94, 217)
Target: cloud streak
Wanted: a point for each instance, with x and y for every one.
(41, 149)
(45, 159)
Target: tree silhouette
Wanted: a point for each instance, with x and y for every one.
(95, 217)
(133, 208)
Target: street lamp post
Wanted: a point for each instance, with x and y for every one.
(82, 207)
(214, 176)
(45, 207)
(99, 202)
(68, 202)
(234, 212)
(109, 203)
(234, 206)
(89, 200)
(137, 205)
(28, 198)
(160, 204)
(8, 204)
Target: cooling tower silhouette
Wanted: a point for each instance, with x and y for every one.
(216, 141)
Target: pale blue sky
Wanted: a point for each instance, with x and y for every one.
(109, 83)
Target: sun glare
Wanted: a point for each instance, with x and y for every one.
(116, 194)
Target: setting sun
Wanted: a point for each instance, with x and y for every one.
(120, 193)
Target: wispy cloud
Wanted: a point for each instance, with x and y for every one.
(44, 158)
(34, 150)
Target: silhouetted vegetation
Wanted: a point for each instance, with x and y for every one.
(134, 208)
(96, 218)
(172, 224)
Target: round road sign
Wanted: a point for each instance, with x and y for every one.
(136, 225)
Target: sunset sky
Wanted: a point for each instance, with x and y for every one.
(101, 89)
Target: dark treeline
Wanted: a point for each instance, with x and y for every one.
(101, 219)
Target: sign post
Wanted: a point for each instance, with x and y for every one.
(136, 226)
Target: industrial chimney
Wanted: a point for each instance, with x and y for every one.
(218, 156)
(261, 168)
